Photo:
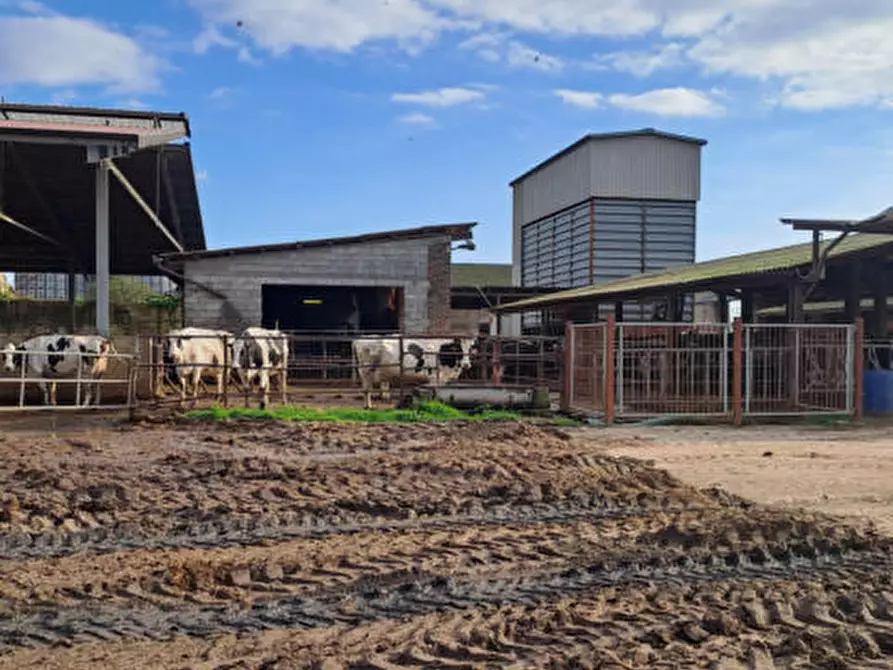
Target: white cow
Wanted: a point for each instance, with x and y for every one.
(428, 361)
(56, 356)
(259, 353)
(193, 350)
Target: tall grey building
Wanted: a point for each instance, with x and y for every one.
(608, 206)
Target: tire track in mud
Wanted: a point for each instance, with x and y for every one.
(242, 531)
(360, 604)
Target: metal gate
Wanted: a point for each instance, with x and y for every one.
(630, 370)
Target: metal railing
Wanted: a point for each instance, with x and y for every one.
(631, 370)
(672, 368)
(86, 387)
(325, 365)
(792, 369)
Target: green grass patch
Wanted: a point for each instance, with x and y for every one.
(425, 411)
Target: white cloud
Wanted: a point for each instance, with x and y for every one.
(441, 97)
(220, 92)
(497, 47)
(643, 63)
(202, 176)
(662, 102)
(337, 25)
(814, 54)
(521, 55)
(584, 99)
(669, 102)
(417, 119)
(60, 51)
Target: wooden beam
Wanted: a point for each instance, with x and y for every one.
(795, 301)
(723, 302)
(747, 306)
(618, 311)
(852, 310)
(880, 316)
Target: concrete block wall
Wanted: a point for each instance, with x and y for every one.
(416, 265)
(439, 284)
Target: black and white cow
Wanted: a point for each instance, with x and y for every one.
(58, 356)
(192, 351)
(434, 361)
(261, 354)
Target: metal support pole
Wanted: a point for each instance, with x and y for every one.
(567, 386)
(737, 372)
(102, 248)
(857, 356)
(610, 378)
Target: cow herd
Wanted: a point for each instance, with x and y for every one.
(253, 357)
(262, 355)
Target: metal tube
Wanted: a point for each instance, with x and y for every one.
(102, 248)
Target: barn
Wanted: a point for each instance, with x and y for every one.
(385, 282)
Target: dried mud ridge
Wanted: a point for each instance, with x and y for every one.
(466, 546)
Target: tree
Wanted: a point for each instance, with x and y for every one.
(124, 291)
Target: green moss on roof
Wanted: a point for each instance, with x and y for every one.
(743, 265)
(481, 274)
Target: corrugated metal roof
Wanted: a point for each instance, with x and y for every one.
(456, 232)
(643, 132)
(147, 128)
(481, 274)
(699, 275)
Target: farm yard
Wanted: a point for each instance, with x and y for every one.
(482, 544)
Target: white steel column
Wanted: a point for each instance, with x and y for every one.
(102, 248)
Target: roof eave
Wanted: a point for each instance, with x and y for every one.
(457, 232)
(642, 132)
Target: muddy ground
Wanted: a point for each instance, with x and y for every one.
(455, 546)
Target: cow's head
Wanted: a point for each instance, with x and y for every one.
(456, 355)
(11, 357)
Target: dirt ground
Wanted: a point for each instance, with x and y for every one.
(845, 471)
(440, 546)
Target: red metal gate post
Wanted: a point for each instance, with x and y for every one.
(859, 369)
(737, 372)
(610, 376)
(568, 366)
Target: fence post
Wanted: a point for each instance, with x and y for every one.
(567, 389)
(858, 368)
(225, 376)
(737, 369)
(610, 379)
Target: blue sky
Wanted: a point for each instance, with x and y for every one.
(315, 118)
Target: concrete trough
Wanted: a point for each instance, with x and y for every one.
(476, 396)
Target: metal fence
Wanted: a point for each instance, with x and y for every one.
(586, 366)
(798, 369)
(32, 388)
(325, 365)
(672, 369)
(653, 369)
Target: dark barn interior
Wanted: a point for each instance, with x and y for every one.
(330, 314)
(331, 309)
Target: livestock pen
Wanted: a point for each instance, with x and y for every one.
(633, 370)
(324, 366)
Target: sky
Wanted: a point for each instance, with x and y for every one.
(317, 118)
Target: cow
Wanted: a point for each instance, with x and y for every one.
(193, 350)
(259, 353)
(438, 361)
(57, 356)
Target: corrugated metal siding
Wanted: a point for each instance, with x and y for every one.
(555, 251)
(651, 168)
(631, 237)
(558, 186)
(634, 168)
